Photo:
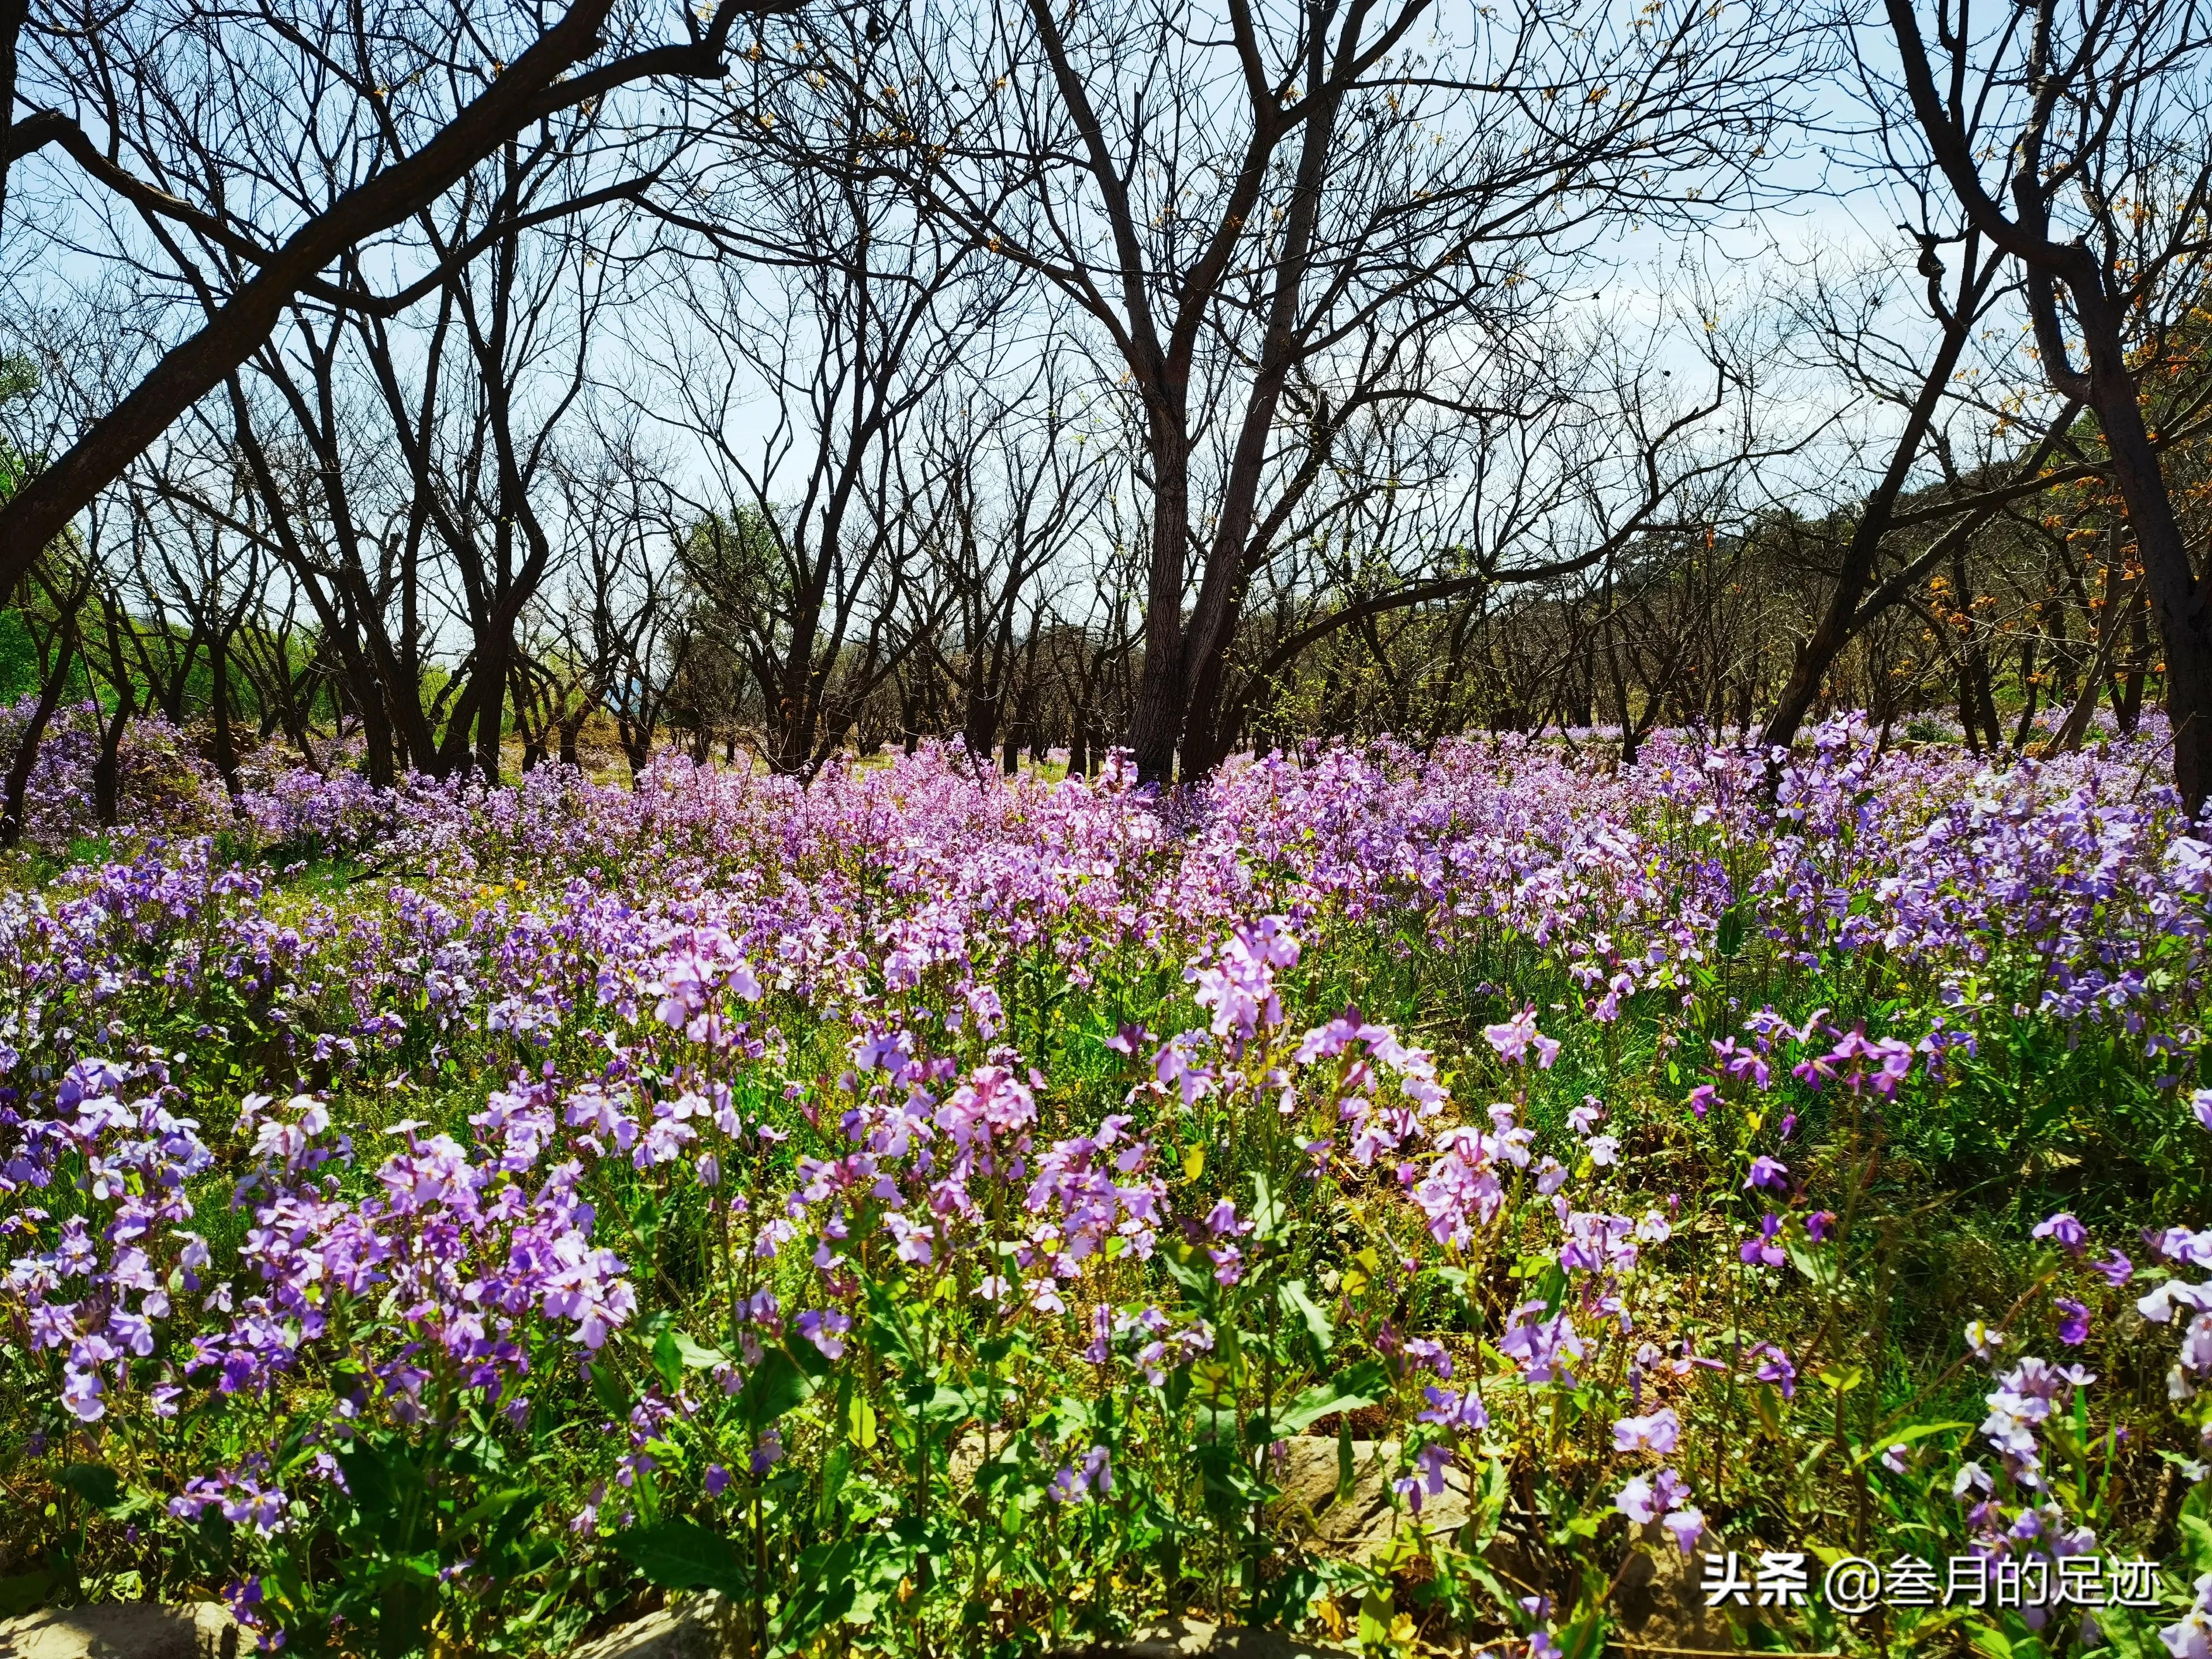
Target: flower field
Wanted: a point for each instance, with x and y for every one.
(939, 1211)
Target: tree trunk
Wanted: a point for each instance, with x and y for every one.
(491, 704)
(2105, 640)
(1841, 622)
(2180, 602)
(14, 13)
(378, 757)
(27, 746)
(107, 770)
(1156, 722)
(2031, 695)
(2129, 710)
(979, 728)
(226, 751)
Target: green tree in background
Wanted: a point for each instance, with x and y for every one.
(19, 655)
(19, 658)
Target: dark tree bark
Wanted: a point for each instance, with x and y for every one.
(14, 13)
(116, 622)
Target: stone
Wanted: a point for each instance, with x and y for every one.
(696, 1627)
(1661, 1603)
(126, 1630)
(1364, 1522)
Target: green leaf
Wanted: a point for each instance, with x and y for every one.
(697, 1356)
(1361, 1385)
(369, 1480)
(1904, 1436)
(1319, 1331)
(777, 1386)
(825, 1590)
(1585, 1637)
(1766, 1403)
(1554, 1290)
(419, 1570)
(497, 1504)
(1375, 1619)
(95, 1483)
(1189, 1269)
(1224, 1479)
(1730, 939)
(683, 1555)
(1817, 1265)
(404, 1605)
(1491, 1510)
(2015, 1644)
(1266, 1209)
(1177, 1389)
(667, 1361)
(611, 1391)
(2196, 1543)
(939, 1404)
(836, 1469)
(1765, 1639)
(2127, 1633)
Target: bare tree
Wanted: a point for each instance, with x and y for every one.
(264, 149)
(289, 672)
(1010, 482)
(617, 623)
(845, 318)
(14, 13)
(214, 578)
(403, 469)
(1270, 216)
(1591, 453)
(1927, 502)
(2093, 121)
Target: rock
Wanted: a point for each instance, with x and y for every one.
(696, 1627)
(1194, 1639)
(1661, 1603)
(1362, 1524)
(125, 1630)
(968, 1454)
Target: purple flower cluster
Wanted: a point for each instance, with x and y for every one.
(286, 1172)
